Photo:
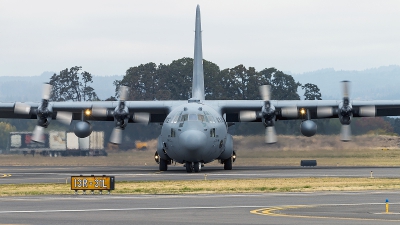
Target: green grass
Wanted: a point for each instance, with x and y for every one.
(216, 186)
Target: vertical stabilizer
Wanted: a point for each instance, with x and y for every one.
(198, 74)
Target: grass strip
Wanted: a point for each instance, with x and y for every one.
(217, 186)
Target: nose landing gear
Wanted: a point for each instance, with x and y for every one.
(190, 167)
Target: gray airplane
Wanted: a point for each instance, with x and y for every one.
(195, 132)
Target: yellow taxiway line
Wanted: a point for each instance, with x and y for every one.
(277, 211)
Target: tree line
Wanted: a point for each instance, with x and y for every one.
(174, 81)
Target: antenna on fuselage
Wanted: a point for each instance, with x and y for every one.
(198, 73)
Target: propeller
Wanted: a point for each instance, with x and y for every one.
(44, 113)
(345, 113)
(121, 115)
(267, 113)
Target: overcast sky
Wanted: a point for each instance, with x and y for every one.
(108, 37)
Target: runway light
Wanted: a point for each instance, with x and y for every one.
(302, 111)
(88, 112)
(387, 205)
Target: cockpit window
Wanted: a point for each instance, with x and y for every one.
(201, 118)
(183, 118)
(175, 119)
(205, 118)
(211, 119)
(208, 117)
(192, 117)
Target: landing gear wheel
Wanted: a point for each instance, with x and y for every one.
(163, 165)
(228, 164)
(189, 167)
(197, 167)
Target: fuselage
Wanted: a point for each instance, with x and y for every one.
(193, 132)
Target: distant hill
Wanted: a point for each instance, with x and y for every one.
(371, 84)
(29, 88)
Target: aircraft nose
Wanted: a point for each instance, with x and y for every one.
(192, 140)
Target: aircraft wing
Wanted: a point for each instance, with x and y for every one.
(158, 110)
(317, 109)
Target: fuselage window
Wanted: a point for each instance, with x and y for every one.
(173, 132)
(212, 132)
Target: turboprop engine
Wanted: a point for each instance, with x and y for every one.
(308, 128)
(44, 113)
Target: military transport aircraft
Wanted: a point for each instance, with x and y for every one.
(195, 132)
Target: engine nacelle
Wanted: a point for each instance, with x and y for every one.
(44, 114)
(228, 152)
(308, 128)
(345, 113)
(82, 129)
(121, 115)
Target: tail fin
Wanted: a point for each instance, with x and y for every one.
(198, 74)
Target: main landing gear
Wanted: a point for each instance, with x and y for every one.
(163, 165)
(228, 164)
(190, 167)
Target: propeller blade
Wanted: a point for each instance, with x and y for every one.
(64, 117)
(324, 111)
(345, 133)
(290, 112)
(116, 136)
(99, 112)
(22, 108)
(46, 91)
(345, 88)
(38, 134)
(367, 111)
(270, 135)
(141, 117)
(123, 93)
(247, 116)
(265, 92)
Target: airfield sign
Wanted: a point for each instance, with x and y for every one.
(92, 183)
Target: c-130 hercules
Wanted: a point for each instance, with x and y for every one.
(195, 132)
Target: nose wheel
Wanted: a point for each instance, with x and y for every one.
(190, 167)
(197, 167)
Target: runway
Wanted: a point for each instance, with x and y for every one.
(36, 174)
(272, 208)
(269, 208)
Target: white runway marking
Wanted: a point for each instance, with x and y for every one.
(125, 209)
